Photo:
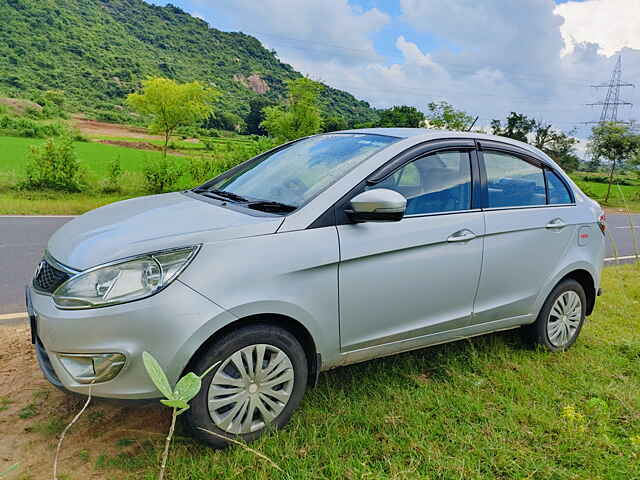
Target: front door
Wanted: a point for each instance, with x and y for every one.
(419, 276)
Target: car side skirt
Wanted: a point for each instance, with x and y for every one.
(392, 348)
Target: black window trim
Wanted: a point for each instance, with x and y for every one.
(527, 156)
(335, 215)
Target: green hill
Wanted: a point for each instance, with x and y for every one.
(97, 51)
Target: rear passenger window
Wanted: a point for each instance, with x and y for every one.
(512, 182)
(558, 193)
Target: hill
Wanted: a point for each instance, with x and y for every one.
(97, 51)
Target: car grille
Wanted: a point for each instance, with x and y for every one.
(48, 278)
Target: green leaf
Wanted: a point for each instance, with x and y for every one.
(154, 370)
(180, 412)
(175, 403)
(9, 470)
(187, 387)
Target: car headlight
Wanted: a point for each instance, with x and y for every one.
(124, 280)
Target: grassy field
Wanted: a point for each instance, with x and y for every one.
(487, 408)
(96, 158)
(622, 196)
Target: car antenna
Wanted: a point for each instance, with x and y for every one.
(474, 122)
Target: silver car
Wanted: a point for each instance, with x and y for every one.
(329, 250)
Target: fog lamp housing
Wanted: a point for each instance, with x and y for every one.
(92, 367)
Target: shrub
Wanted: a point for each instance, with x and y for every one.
(54, 166)
(202, 169)
(27, 127)
(161, 174)
(111, 184)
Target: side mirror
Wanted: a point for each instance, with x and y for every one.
(377, 205)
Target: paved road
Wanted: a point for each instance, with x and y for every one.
(23, 239)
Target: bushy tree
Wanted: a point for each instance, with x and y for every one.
(171, 105)
(517, 126)
(334, 124)
(301, 114)
(444, 116)
(557, 144)
(401, 116)
(617, 143)
(224, 121)
(256, 115)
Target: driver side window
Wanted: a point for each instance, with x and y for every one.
(436, 183)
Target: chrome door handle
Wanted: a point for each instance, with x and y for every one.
(556, 223)
(462, 236)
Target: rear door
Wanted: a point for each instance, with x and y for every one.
(404, 280)
(527, 213)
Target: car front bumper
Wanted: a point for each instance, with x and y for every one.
(170, 325)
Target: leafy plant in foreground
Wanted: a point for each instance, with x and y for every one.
(8, 470)
(177, 399)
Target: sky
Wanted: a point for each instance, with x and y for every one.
(487, 57)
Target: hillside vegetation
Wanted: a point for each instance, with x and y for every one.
(98, 51)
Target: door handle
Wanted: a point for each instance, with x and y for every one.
(463, 235)
(556, 223)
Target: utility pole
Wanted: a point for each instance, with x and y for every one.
(610, 104)
(612, 100)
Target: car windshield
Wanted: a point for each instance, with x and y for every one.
(289, 178)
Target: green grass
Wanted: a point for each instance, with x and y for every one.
(485, 408)
(623, 196)
(94, 156)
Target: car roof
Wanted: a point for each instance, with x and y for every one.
(425, 134)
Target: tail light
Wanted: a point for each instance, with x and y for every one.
(602, 223)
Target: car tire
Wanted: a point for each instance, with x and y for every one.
(237, 383)
(561, 318)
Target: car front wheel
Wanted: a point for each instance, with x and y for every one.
(259, 382)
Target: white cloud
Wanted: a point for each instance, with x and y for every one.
(612, 24)
(498, 56)
(326, 29)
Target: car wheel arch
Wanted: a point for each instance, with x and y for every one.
(297, 329)
(584, 278)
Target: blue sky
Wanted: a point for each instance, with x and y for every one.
(488, 57)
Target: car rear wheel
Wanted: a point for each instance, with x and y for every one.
(259, 382)
(561, 318)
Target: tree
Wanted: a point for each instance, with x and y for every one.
(615, 142)
(334, 124)
(171, 105)
(224, 121)
(518, 126)
(301, 114)
(256, 115)
(444, 116)
(558, 145)
(555, 143)
(401, 116)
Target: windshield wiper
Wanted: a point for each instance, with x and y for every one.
(223, 194)
(267, 206)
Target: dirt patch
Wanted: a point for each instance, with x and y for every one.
(94, 127)
(33, 413)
